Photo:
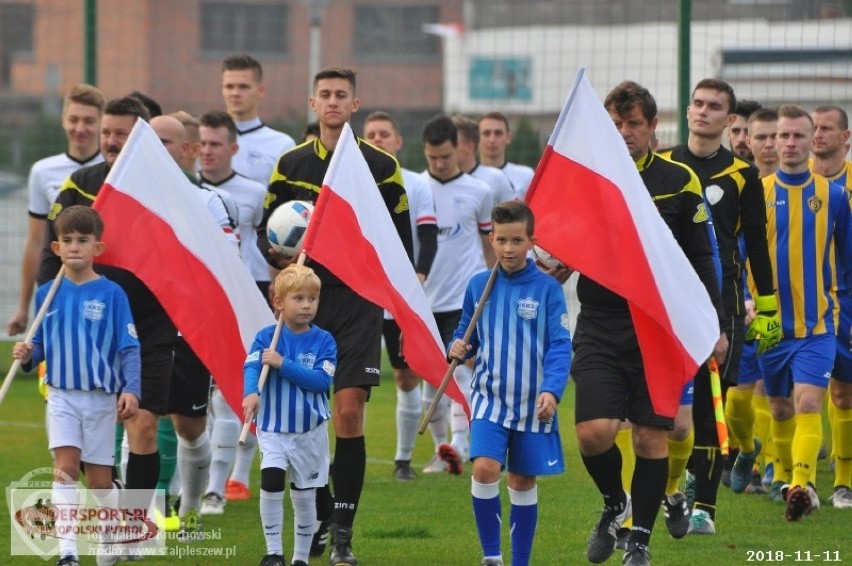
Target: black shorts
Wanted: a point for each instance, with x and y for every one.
(734, 328)
(189, 390)
(356, 325)
(391, 332)
(608, 371)
(263, 287)
(447, 323)
(156, 376)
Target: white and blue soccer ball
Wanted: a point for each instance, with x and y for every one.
(287, 225)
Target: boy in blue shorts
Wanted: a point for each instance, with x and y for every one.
(89, 341)
(523, 353)
(292, 411)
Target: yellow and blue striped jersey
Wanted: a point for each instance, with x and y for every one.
(805, 214)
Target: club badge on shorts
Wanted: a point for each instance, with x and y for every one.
(527, 308)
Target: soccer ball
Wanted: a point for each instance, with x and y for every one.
(545, 257)
(287, 225)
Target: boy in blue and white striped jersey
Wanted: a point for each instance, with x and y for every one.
(89, 342)
(292, 411)
(523, 354)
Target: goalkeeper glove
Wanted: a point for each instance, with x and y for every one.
(766, 326)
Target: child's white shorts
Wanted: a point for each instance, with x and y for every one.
(84, 420)
(304, 455)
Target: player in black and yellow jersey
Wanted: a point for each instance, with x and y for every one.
(732, 187)
(355, 323)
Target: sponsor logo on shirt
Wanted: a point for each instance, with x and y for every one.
(565, 321)
(714, 193)
(253, 357)
(93, 310)
(527, 308)
(131, 329)
(328, 367)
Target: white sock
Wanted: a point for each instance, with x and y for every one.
(460, 425)
(245, 458)
(304, 519)
(125, 454)
(174, 485)
(106, 499)
(408, 409)
(65, 498)
(223, 443)
(438, 425)
(194, 464)
(272, 520)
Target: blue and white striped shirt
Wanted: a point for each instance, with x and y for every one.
(84, 330)
(295, 397)
(522, 346)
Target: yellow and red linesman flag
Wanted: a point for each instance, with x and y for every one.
(718, 407)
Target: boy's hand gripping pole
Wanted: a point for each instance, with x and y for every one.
(466, 338)
(7, 383)
(265, 370)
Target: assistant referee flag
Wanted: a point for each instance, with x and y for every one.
(158, 228)
(594, 213)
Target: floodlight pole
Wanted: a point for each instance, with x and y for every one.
(684, 47)
(90, 42)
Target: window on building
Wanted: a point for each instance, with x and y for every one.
(386, 33)
(16, 36)
(251, 27)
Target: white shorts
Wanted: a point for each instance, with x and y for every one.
(84, 420)
(305, 455)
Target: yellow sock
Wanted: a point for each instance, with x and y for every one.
(832, 416)
(805, 447)
(782, 432)
(740, 416)
(762, 418)
(624, 441)
(679, 453)
(842, 441)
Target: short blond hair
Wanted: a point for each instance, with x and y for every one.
(295, 278)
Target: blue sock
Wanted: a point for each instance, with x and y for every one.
(487, 511)
(522, 521)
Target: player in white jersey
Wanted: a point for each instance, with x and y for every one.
(466, 150)
(292, 411)
(495, 136)
(463, 209)
(81, 116)
(381, 129)
(218, 146)
(259, 145)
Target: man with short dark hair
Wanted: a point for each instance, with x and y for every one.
(355, 323)
(608, 370)
(738, 130)
(157, 333)
(495, 136)
(732, 187)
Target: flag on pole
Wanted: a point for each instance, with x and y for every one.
(374, 264)
(154, 228)
(594, 213)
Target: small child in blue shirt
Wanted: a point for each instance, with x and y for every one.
(292, 411)
(523, 355)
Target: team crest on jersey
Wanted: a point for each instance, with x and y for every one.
(527, 308)
(814, 203)
(402, 205)
(93, 310)
(307, 360)
(131, 330)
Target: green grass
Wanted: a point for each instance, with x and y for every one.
(430, 522)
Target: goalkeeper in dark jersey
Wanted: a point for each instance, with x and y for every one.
(355, 323)
(732, 187)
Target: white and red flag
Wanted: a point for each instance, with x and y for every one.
(157, 228)
(594, 213)
(374, 264)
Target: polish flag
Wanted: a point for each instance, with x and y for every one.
(594, 213)
(157, 228)
(374, 264)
